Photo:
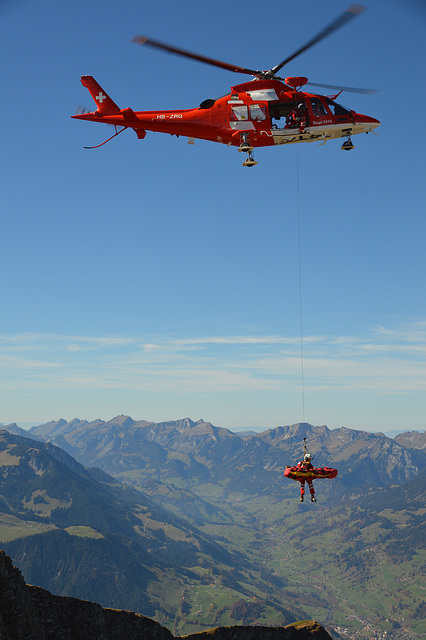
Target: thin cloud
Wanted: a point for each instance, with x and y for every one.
(385, 360)
(239, 340)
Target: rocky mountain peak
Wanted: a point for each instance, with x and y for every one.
(122, 421)
(18, 431)
(9, 427)
(52, 428)
(412, 439)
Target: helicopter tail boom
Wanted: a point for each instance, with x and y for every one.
(106, 106)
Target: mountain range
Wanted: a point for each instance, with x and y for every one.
(195, 525)
(198, 452)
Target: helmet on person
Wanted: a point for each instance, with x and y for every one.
(307, 457)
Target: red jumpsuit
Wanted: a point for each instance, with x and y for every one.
(297, 118)
(306, 466)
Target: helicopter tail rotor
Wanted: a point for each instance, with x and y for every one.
(82, 110)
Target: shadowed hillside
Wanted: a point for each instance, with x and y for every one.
(31, 613)
(82, 533)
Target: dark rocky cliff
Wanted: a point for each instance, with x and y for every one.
(32, 613)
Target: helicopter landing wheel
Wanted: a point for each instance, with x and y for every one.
(245, 147)
(250, 161)
(244, 143)
(348, 145)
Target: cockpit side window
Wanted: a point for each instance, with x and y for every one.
(240, 112)
(337, 109)
(318, 108)
(258, 112)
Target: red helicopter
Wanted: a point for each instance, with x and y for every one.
(265, 111)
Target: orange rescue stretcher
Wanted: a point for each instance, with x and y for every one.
(297, 473)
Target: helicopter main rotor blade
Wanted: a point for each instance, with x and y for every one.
(340, 88)
(194, 56)
(353, 11)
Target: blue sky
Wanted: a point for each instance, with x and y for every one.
(160, 279)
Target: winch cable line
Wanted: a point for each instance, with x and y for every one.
(302, 356)
(299, 249)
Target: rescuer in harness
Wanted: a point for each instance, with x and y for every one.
(306, 465)
(304, 471)
(298, 117)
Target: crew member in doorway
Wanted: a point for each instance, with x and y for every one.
(298, 117)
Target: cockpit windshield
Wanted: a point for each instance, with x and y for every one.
(337, 109)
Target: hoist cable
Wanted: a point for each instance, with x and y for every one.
(299, 245)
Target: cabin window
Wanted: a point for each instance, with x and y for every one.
(318, 108)
(240, 112)
(337, 109)
(258, 112)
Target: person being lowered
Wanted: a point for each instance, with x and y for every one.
(306, 465)
(304, 471)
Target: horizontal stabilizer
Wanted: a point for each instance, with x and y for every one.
(106, 106)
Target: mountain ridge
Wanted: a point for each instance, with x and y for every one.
(201, 452)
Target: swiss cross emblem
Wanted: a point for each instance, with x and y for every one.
(101, 97)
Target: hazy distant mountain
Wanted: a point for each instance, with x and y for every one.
(18, 431)
(412, 440)
(199, 452)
